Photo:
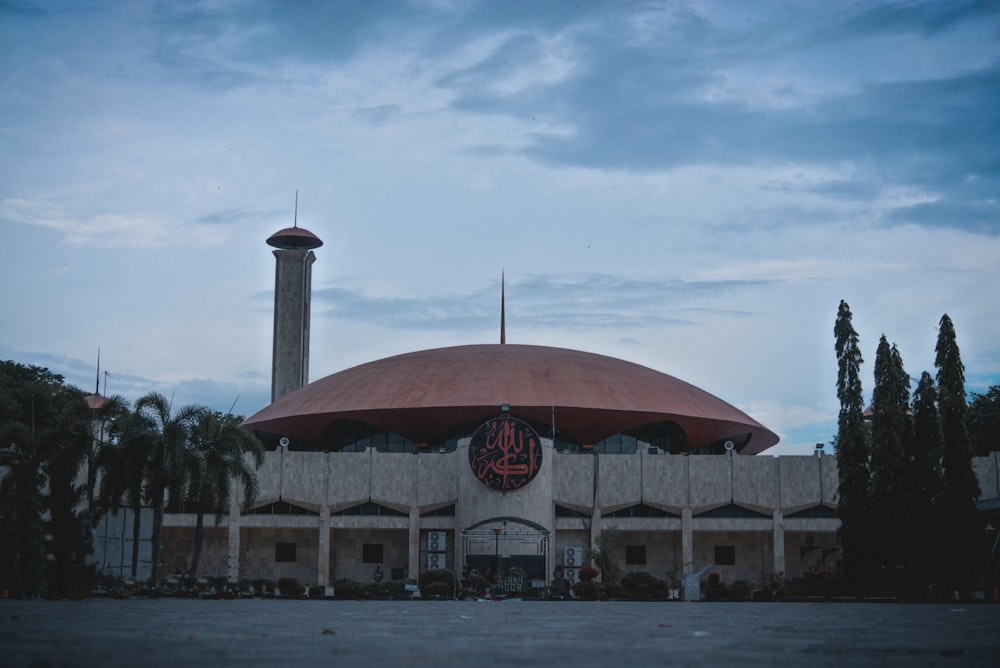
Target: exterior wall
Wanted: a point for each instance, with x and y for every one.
(663, 552)
(754, 554)
(346, 558)
(987, 470)
(178, 543)
(257, 555)
(329, 545)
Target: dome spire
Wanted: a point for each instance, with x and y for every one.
(503, 324)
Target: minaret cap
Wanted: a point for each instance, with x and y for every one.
(294, 237)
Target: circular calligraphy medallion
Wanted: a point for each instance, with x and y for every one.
(505, 453)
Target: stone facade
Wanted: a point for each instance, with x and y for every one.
(750, 517)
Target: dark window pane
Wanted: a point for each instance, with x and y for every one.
(284, 552)
(635, 555)
(725, 555)
(371, 553)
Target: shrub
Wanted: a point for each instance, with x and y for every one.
(741, 590)
(587, 573)
(589, 590)
(436, 576)
(640, 584)
(347, 588)
(441, 589)
(290, 588)
(263, 587)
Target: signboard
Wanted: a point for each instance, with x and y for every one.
(505, 453)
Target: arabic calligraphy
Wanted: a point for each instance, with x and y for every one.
(505, 453)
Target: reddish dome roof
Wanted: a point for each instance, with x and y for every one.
(294, 237)
(426, 394)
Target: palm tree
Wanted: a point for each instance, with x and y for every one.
(165, 438)
(105, 414)
(218, 456)
(122, 461)
(148, 460)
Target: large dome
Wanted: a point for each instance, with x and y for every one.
(426, 395)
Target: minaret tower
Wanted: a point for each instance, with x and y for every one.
(292, 296)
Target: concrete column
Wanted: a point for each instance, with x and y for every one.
(595, 529)
(687, 541)
(292, 296)
(233, 559)
(323, 558)
(413, 564)
(778, 533)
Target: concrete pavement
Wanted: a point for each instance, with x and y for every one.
(248, 633)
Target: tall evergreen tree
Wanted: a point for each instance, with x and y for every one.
(890, 432)
(852, 448)
(961, 489)
(924, 486)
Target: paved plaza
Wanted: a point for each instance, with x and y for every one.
(247, 633)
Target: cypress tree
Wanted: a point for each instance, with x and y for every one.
(961, 489)
(924, 486)
(890, 432)
(852, 449)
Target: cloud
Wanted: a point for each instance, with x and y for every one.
(976, 217)
(107, 230)
(647, 105)
(16, 8)
(573, 302)
(924, 18)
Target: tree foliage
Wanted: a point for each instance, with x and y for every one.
(604, 554)
(914, 515)
(852, 447)
(890, 435)
(216, 456)
(924, 485)
(44, 440)
(961, 489)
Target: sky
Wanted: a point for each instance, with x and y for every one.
(691, 186)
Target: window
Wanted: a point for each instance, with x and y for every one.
(725, 555)
(371, 509)
(371, 553)
(639, 510)
(284, 552)
(635, 555)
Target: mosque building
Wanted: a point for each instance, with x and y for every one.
(514, 454)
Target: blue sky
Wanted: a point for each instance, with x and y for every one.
(692, 186)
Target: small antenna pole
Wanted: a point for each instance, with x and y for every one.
(296, 219)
